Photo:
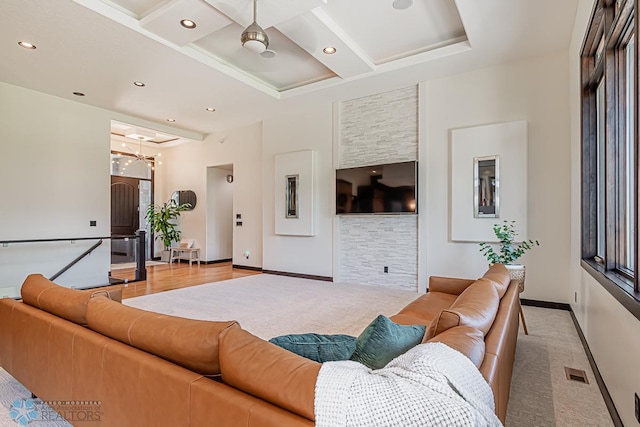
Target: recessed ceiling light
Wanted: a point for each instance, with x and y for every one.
(187, 23)
(268, 54)
(139, 84)
(329, 50)
(211, 110)
(171, 120)
(78, 93)
(402, 4)
(26, 45)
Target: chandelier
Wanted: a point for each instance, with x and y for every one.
(139, 155)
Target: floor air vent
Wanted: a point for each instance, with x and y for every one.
(576, 375)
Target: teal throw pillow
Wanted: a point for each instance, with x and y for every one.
(321, 348)
(383, 340)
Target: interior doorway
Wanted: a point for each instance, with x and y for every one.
(220, 219)
(131, 195)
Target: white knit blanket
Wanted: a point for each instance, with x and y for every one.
(430, 385)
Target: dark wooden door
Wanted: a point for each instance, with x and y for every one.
(125, 204)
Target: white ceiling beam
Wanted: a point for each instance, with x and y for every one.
(270, 12)
(315, 30)
(165, 21)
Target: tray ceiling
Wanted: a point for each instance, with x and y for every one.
(365, 33)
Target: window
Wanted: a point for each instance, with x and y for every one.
(610, 145)
(628, 252)
(600, 173)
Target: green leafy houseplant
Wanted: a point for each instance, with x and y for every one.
(508, 252)
(162, 219)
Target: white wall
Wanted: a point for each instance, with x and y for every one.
(54, 175)
(535, 90)
(186, 169)
(610, 330)
(310, 130)
(220, 218)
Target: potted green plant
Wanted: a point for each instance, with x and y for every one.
(162, 222)
(508, 251)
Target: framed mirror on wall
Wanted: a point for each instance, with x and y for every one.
(486, 187)
(185, 196)
(291, 209)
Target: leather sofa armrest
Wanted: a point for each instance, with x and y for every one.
(268, 372)
(449, 285)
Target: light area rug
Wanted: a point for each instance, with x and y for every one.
(268, 305)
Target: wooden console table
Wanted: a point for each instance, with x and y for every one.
(177, 253)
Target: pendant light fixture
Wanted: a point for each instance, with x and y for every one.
(253, 38)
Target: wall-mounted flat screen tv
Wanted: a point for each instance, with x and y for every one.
(378, 189)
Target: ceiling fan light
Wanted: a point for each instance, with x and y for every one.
(402, 4)
(254, 39)
(268, 54)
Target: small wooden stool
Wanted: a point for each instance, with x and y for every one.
(176, 253)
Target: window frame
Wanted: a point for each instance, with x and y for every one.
(612, 26)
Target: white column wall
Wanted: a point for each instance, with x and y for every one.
(309, 130)
(535, 90)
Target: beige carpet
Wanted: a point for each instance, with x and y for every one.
(541, 395)
(273, 305)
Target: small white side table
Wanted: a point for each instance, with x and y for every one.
(177, 253)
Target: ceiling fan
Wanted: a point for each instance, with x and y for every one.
(254, 38)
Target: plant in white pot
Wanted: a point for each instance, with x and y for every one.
(508, 251)
(162, 222)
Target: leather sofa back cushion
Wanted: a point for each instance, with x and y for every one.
(427, 306)
(476, 307)
(467, 340)
(500, 277)
(268, 372)
(190, 343)
(70, 304)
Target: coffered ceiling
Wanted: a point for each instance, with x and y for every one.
(365, 34)
(100, 47)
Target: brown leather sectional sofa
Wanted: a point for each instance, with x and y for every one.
(139, 368)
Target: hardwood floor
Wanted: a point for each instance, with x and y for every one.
(166, 277)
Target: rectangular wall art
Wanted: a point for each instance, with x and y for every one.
(488, 180)
(294, 193)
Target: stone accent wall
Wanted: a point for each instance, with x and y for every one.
(369, 243)
(381, 128)
(377, 129)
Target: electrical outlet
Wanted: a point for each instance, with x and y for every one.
(637, 407)
(386, 269)
(92, 223)
(575, 297)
